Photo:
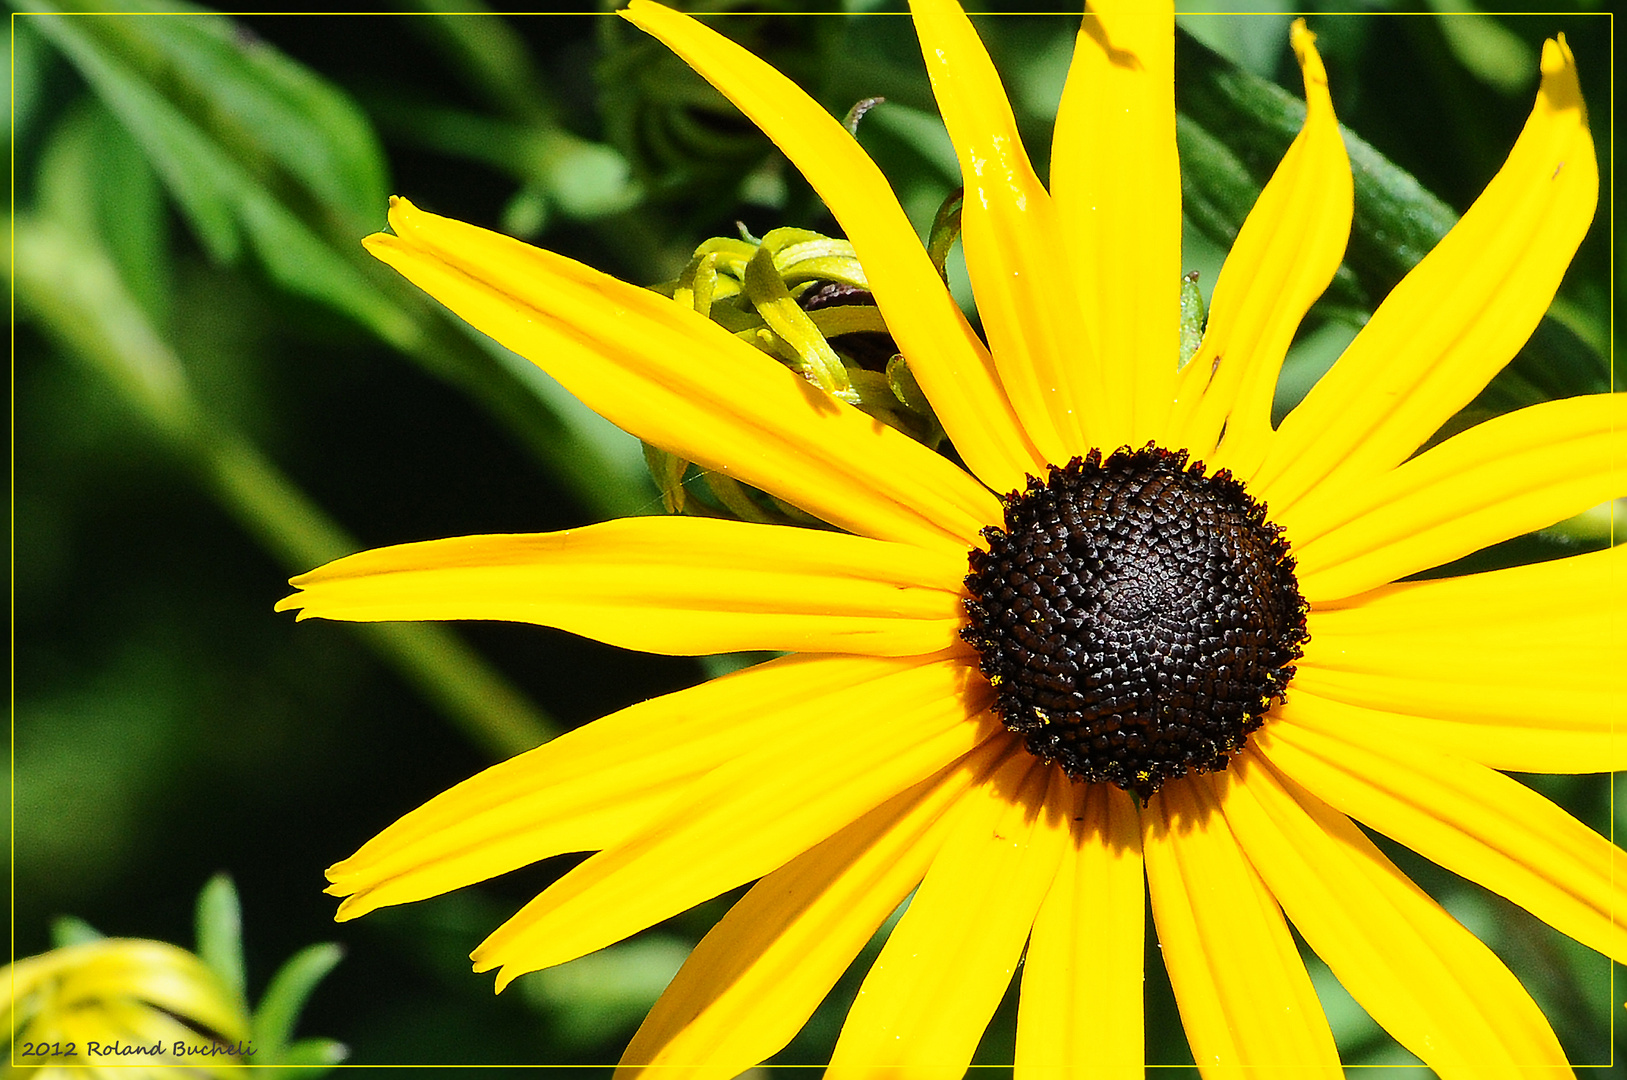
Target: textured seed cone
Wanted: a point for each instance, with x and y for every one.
(1136, 617)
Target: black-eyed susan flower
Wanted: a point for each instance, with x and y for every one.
(1143, 640)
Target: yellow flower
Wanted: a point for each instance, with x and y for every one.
(104, 1008)
(874, 761)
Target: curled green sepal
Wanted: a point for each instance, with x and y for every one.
(945, 231)
(1193, 316)
(794, 334)
(802, 298)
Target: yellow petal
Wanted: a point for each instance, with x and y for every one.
(1116, 184)
(1508, 476)
(1574, 743)
(945, 355)
(1441, 993)
(1245, 998)
(752, 982)
(945, 967)
(1515, 668)
(827, 764)
(133, 1022)
(1458, 317)
(1025, 292)
(1080, 1012)
(594, 787)
(1475, 822)
(686, 385)
(669, 584)
(92, 976)
(1286, 253)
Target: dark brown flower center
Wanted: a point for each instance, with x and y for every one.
(1136, 617)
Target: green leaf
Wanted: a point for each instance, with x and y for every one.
(311, 1057)
(94, 177)
(220, 933)
(584, 179)
(280, 120)
(66, 282)
(1489, 51)
(236, 198)
(69, 930)
(609, 990)
(25, 89)
(285, 998)
(223, 179)
(490, 56)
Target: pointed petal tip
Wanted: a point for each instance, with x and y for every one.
(370, 241)
(400, 216)
(350, 907)
(1556, 54)
(1303, 41)
(483, 961)
(1561, 88)
(642, 12)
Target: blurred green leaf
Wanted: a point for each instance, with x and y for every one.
(489, 55)
(220, 933)
(584, 179)
(312, 1057)
(68, 930)
(607, 991)
(175, 88)
(70, 285)
(284, 999)
(22, 90)
(94, 177)
(288, 127)
(1490, 51)
(224, 121)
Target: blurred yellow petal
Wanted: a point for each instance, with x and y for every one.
(155, 974)
(929, 995)
(1026, 295)
(1286, 253)
(594, 787)
(1510, 475)
(752, 982)
(1475, 822)
(687, 385)
(824, 767)
(1093, 920)
(1119, 215)
(671, 585)
(1245, 998)
(1441, 993)
(168, 1011)
(1458, 316)
(945, 355)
